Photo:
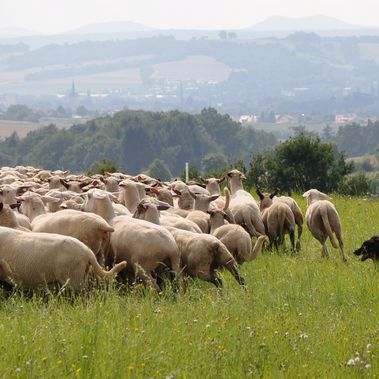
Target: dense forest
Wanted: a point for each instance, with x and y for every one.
(133, 140)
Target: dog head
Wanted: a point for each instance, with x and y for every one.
(369, 249)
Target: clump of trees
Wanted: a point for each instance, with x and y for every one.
(20, 112)
(299, 164)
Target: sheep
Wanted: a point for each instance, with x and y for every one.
(130, 194)
(213, 185)
(100, 203)
(323, 220)
(88, 228)
(201, 255)
(148, 248)
(278, 219)
(34, 260)
(235, 237)
(243, 206)
(8, 217)
(299, 219)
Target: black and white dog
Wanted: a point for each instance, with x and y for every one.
(369, 249)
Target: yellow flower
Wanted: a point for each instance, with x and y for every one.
(44, 359)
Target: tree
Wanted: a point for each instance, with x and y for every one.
(102, 167)
(299, 164)
(158, 169)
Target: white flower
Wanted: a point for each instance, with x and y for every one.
(368, 365)
(357, 360)
(369, 346)
(303, 336)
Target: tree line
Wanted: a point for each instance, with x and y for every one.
(135, 140)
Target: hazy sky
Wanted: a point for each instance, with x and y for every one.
(56, 16)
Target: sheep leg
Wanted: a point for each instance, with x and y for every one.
(292, 238)
(232, 267)
(341, 245)
(145, 277)
(299, 232)
(325, 250)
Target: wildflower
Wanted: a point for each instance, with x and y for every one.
(18, 369)
(130, 368)
(369, 346)
(368, 365)
(303, 336)
(357, 360)
(195, 320)
(44, 359)
(351, 362)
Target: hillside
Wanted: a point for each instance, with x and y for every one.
(297, 74)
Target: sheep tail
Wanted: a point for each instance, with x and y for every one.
(227, 198)
(100, 272)
(325, 221)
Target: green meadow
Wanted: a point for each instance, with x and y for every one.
(300, 316)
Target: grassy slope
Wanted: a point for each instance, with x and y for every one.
(301, 315)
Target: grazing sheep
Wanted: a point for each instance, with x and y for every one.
(278, 220)
(243, 206)
(202, 254)
(323, 220)
(234, 237)
(149, 249)
(34, 260)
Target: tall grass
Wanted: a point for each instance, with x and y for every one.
(302, 315)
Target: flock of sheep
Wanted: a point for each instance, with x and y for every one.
(60, 229)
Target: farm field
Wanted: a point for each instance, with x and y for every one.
(300, 316)
(22, 128)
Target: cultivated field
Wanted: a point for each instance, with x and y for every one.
(301, 316)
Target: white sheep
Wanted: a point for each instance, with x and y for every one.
(323, 220)
(34, 260)
(88, 228)
(243, 206)
(278, 219)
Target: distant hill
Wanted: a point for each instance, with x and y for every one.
(15, 32)
(318, 22)
(111, 28)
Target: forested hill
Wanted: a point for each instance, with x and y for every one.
(134, 139)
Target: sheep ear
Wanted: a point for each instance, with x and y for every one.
(154, 190)
(162, 206)
(221, 180)
(193, 195)
(213, 197)
(64, 183)
(274, 193)
(13, 206)
(306, 194)
(228, 218)
(260, 194)
(205, 181)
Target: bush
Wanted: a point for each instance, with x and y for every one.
(102, 167)
(358, 184)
